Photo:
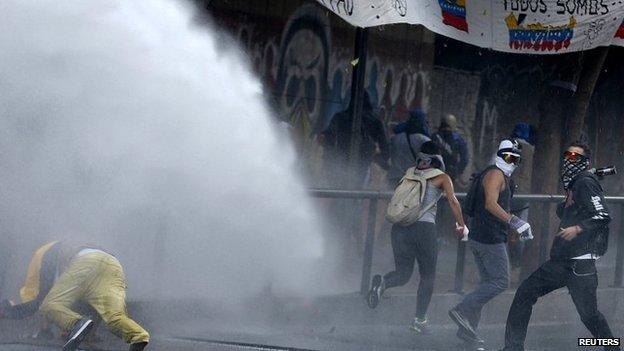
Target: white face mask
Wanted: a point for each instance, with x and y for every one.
(426, 158)
(507, 168)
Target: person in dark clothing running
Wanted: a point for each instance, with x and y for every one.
(453, 146)
(490, 224)
(405, 144)
(417, 242)
(582, 239)
(525, 135)
(337, 141)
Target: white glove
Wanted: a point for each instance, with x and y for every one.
(464, 231)
(522, 228)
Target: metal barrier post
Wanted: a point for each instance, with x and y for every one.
(459, 267)
(619, 258)
(546, 199)
(368, 246)
(544, 234)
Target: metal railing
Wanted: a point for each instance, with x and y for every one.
(375, 196)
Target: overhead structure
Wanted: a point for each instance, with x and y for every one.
(515, 26)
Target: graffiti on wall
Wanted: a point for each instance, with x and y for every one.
(308, 69)
(488, 103)
(508, 96)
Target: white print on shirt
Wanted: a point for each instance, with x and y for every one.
(596, 201)
(599, 208)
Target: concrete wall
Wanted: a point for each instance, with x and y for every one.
(303, 54)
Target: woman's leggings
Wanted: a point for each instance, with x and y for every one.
(414, 242)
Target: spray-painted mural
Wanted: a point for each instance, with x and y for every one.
(305, 60)
(304, 55)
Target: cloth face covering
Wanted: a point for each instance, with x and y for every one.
(570, 169)
(507, 168)
(427, 158)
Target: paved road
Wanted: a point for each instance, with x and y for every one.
(175, 346)
(205, 336)
(542, 337)
(364, 338)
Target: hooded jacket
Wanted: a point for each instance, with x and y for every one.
(373, 134)
(45, 267)
(454, 152)
(416, 123)
(586, 208)
(43, 270)
(417, 129)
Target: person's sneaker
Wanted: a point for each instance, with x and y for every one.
(138, 346)
(420, 326)
(77, 334)
(470, 338)
(462, 322)
(376, 291)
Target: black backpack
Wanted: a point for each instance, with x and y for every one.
(468, 206)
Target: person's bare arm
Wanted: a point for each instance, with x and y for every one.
(493, 182)
(447, 186)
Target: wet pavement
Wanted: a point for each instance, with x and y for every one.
(543, 337)
(338, 323)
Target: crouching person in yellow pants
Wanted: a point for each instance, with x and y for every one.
(92, 276)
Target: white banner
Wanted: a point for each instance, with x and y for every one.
(517, 26)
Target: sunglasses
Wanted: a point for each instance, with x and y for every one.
(509, 158)
(573, 156)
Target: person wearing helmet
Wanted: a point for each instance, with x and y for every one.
(489, 226)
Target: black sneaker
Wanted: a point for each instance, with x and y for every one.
(78, 333)
(420, 326)
(138, 346)
(462, 322)
(375, 292)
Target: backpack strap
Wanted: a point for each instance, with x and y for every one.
(427, 174)
(432, 173)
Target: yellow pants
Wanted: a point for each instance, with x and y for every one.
(97, 279)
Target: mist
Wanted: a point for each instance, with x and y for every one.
(125, 125)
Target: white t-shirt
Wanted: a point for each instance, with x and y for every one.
(89, 251)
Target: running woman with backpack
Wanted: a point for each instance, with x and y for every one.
(412, 211)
